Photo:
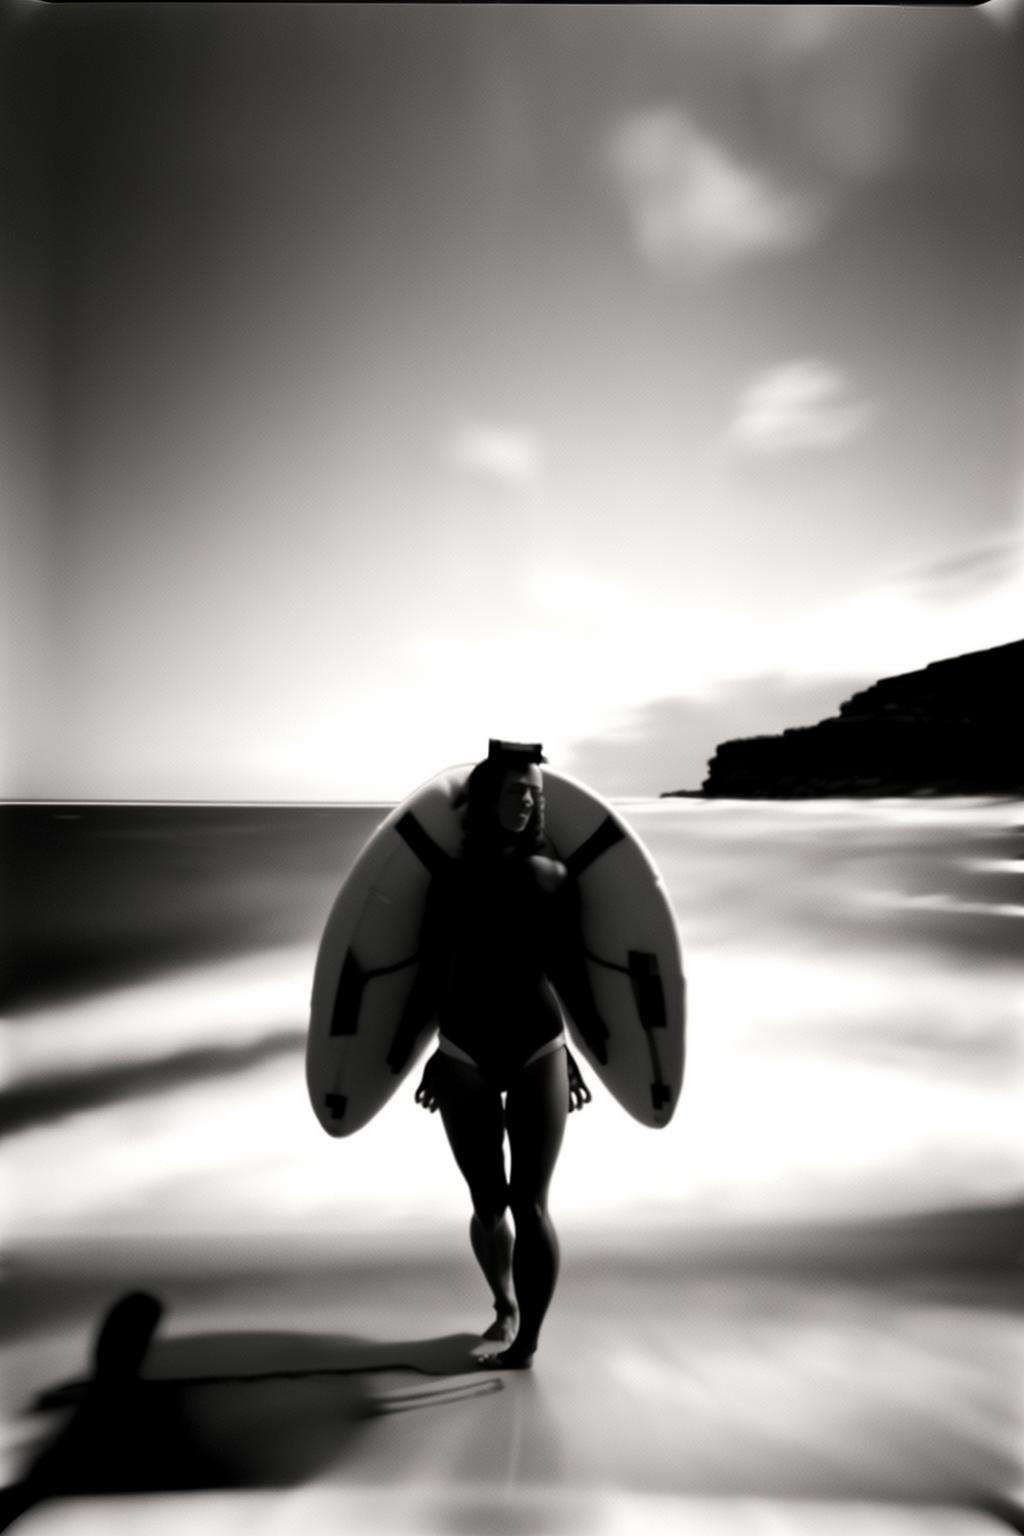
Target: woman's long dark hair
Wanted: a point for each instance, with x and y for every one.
(483, 832)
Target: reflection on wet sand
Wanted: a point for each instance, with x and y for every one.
(655, 1394)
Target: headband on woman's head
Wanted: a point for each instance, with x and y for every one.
(515, 751)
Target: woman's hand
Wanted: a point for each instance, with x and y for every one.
(429, 1091)
(579, 1093)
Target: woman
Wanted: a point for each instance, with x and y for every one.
(501, 922)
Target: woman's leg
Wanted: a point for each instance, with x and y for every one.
(475, 1127)
(535, 1115)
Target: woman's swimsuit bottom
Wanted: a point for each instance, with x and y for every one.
(449, 1048)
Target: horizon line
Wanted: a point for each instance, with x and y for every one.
(114, 800)
(262, 804)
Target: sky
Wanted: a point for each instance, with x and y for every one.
(378, 379)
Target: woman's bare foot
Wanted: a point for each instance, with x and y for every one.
(518, 1357)
(503, 1329)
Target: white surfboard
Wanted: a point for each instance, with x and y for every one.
(367, 958)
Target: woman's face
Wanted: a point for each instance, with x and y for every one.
(519, 792)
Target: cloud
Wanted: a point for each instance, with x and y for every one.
(692, 203)
(798, 405)
(971, 573)
(502, 455)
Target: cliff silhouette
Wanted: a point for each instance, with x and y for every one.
(948, 729)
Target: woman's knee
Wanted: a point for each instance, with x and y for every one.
(490, 1206)
(528, 1208)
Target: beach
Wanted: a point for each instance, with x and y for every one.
(796, 1308)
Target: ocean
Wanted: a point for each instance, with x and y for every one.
(855, 1019)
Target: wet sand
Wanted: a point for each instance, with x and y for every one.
(714, 1399)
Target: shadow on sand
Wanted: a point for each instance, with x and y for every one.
(227, 1410)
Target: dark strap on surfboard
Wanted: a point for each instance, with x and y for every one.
(649, 999)
(600, 840)
(429, 853)
(351, 986)
(355, 978)
(348, 1000)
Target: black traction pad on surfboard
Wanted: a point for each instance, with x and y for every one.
(648, 992)
(422, 844)
(649, 998)
(600, 840)
(351, 986)
(337, 1103)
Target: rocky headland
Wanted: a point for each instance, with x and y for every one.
(953, 728)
